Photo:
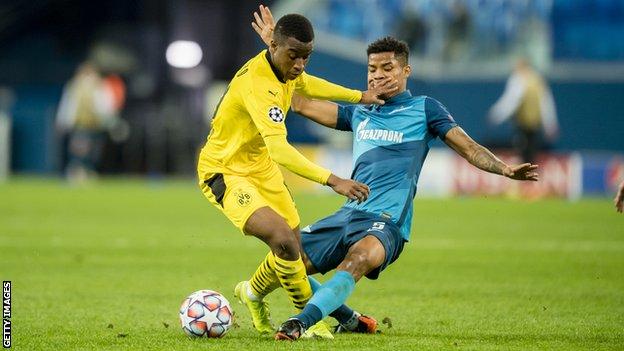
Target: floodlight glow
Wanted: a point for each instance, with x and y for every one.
(184, 54)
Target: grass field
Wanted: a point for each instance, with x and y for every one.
(106, 267)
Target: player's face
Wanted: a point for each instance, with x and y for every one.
(290, 56)
(385, 65)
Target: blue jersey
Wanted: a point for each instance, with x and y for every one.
(390, 144)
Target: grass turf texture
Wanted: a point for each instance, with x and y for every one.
(106, 267)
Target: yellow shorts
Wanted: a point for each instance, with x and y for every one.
(238, 197)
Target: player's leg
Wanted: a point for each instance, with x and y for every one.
(362, 258)
(289, 268)
(349, 320)
(264, 280)
(389, 237)
(271, 228)
(528, 144)
(323, 250)
(252, 298)
(237, 198)
(251, 210)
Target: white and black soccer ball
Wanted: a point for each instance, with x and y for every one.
(276, 114)
(206, 313)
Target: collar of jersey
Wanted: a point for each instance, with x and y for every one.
(277, 73)
(399, 98)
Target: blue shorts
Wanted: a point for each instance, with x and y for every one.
(327, 241)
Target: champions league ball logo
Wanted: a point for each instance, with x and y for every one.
(276, 114)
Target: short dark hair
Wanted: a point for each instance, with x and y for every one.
(295, 26)
(390, 44)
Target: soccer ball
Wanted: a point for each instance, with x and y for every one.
(205, 313)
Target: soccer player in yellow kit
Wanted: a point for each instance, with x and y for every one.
(238, 167)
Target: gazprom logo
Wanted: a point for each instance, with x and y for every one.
(377, 134)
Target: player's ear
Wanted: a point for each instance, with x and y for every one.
(407, 70)
(273, 46)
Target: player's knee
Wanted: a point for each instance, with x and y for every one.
(284, 244)
(357, 263)
(360, 258)
(360, 262)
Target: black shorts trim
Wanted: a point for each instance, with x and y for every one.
(217, 186)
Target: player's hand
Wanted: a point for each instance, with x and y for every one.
(264, 24)
(355, 191)
(619, 198)
(525, 171)
(376, 89)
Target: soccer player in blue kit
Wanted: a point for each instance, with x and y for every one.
(390, 144)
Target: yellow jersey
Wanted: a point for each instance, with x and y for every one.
(251, 115)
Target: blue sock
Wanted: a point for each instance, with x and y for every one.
(315, 284)
(327, 298)
(342, 314)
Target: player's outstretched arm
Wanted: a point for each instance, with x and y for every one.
(484, 159)
(320, 111)
(619, 198)
(287, 156)
(318, 88)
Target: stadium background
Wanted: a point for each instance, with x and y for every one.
(463, 52)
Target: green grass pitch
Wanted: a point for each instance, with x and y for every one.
(106, 267)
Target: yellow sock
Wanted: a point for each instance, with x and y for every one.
(293, 278)
(264, 280)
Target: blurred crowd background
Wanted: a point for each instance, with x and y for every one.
(129, 86)
(476, 30)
